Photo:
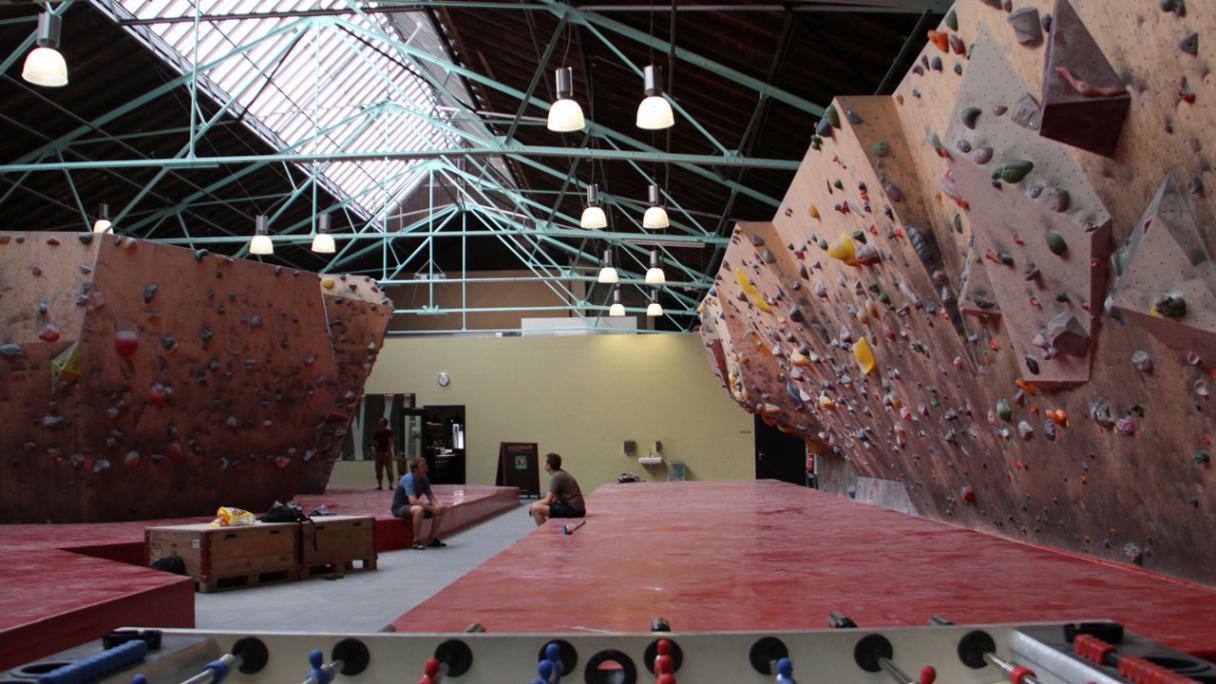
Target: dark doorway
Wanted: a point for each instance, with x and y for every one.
(443, 445)
(779, 455)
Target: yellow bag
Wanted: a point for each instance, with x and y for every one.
(228, 516)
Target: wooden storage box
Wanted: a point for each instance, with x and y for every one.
(227, 557)
(337, 542)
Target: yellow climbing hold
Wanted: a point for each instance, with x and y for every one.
(751, 291)
(798, 359)
(814, 212)
(844, 250)
(865, 356)
(825, 401)
(328, 283)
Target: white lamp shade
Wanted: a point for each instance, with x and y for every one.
(655, 309)
(655, 114)
(616, 310)
(565, 116)
(608, 276)
(594, 217)
(261, 245)
(103, 226)
(655, 218)
(655, 276)
(44, 66)
(323, 243)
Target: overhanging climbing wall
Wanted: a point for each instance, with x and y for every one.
(996, 286)
(140, 380)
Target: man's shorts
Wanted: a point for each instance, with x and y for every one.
(404, 512)
(563, 510)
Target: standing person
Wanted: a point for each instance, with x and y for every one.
(382, 445)
(564, 500)
(407, 500)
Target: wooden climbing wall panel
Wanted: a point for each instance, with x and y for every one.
(1020, 399)
(357, 319)
(174, 381)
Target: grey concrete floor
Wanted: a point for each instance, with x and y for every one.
(362, 601)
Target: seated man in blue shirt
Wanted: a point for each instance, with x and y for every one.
(407, 500)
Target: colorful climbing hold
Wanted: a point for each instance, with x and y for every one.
(126, 342)
(865, 356)
(1013, 171)
(844, 250)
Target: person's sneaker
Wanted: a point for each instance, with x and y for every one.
(418, 546)
(436, 543)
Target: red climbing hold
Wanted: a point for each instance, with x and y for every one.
(157, 395)
(928, 675)
(125, 343)
(49, 333)
(968, 494)
(174, 452)
(941, 40)
(282, 462)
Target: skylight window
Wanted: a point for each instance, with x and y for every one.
(313, 89)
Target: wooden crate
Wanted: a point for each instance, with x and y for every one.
(229, 557)
(335, 544)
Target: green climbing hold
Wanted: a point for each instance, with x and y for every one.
(1004, 410)
(199, 254)
(86, 239)
(952, 21)
(1013, 171)
(958, 224)
(1056, 243)
(832, 116)
(823, 244)
(838, 184)
(880, 149)
(816, 143)
(1170, 306)
(969, 116)
(1203, 457)
(936, 142)
(206, 334)
(860, 236)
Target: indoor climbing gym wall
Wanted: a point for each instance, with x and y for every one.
(995, 287)
(140, 380)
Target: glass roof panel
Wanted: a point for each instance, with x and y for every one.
(315, 91)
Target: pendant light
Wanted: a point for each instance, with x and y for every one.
(44, 66)
(103, 224)
(565, 115)
(593, 215)
(655, 308)
(655, 111)
(656, 216)
(323, 242)
(655, 275)
(608, 274)
(617, 309)
(261, 244)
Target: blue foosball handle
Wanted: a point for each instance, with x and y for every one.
(96, 667)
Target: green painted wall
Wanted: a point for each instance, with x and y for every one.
(581, 396)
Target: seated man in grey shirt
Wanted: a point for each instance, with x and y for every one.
(564, 500)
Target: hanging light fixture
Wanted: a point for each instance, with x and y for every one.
(323, 242)
(261, 244)
(656, 216)
(608, 274)
(103, 224)
(655, 111)
(655, 308)
(655, 275)
(44, 66)
(617, 309)
(593, 215)
(565, 115)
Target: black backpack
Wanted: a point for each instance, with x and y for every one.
(284, 512)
